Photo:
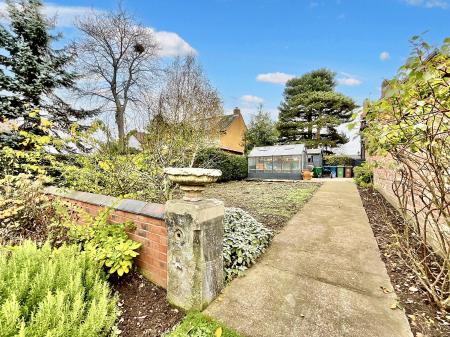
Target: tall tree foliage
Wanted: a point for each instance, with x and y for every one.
(311, 110)
(30, 73)
(261, 130)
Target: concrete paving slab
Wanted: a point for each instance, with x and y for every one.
(321, 277)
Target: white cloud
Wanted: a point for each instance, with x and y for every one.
(348, 80)
(250, 99)
(443, 4)
(172, 44)
(277, 77)
(65, 15)
(384, 56)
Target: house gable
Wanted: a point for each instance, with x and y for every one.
(232, 137)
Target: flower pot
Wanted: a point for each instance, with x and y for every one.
(307, 175)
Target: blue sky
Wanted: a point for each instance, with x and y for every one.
(244, 44)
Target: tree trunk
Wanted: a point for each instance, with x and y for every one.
(120, 121)
(310, 131)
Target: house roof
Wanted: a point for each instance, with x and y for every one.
(226, 120)
(277, 150)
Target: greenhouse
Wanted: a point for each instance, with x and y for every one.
(277, 162)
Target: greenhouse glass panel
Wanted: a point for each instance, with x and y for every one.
(252, 163)
(268, 163)
(260, 164)
(277, 164)
(291, 163)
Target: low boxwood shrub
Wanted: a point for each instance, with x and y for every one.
(233, 167)
(245, 239)
(363, 175)
(53, 292)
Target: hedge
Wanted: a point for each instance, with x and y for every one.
(233, 167)
(338, 159)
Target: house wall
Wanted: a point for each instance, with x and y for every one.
(150, 227)
(316, 159)
(233, 138)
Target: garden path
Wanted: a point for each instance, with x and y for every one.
(322, 276)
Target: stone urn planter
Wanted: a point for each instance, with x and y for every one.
(192, 181)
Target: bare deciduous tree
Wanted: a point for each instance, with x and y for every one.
(117, 59)
(185, 114)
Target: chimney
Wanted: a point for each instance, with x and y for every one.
(236, 111)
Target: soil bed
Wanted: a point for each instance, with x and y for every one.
(145, 311)
(425, 319)
(271, 203)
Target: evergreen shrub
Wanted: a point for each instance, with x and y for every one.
(338, 160)
(53, 292)
(363, 175)
(233, 166)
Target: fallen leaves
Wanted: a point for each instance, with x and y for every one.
(396, 305)
(425, 319)
(385, 290)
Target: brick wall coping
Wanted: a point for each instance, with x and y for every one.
(126, 205)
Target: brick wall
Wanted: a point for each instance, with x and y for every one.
(384, 176)
(150, 230)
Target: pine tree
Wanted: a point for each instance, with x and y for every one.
(312, 110)
(30, 73)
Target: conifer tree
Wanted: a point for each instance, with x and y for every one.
(261, 130)
(311, 111)
(31, 72)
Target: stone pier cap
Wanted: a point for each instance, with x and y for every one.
(192, 180)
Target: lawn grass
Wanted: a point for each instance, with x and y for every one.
(196, 324)
(271, 203)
